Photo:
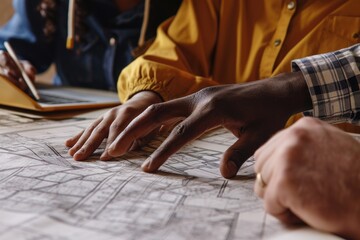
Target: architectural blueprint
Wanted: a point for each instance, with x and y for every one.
(44, 194)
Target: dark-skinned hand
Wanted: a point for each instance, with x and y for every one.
(109, 126)
(253, 112)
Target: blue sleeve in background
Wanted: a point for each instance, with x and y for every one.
(106, 46)
(25, 34)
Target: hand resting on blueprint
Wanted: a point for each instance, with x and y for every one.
(9, 70)
(253, 112)
(311, 172)
(109, 126)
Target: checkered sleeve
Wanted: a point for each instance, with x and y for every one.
(333, 80)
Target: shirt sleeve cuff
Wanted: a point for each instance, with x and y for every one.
(332, 80)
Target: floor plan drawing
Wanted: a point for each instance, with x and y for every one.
(44, 194)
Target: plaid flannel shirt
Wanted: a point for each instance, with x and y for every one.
(333, 80)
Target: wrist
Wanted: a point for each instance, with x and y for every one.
(293, 91)
(150, 96)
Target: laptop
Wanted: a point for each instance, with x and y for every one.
(53, 98)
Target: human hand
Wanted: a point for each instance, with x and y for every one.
(252, 112)
(311, 174)
(109, 126)
(10, 71)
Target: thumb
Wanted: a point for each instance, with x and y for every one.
(141, 142)
(30, 70)
(237, 154)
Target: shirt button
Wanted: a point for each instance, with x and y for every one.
(356, 35)
(277, 42)
(291, 5)
(112, 41)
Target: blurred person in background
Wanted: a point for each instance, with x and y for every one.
(106, 36)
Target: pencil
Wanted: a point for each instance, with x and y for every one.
(71, 25)
(23, 73)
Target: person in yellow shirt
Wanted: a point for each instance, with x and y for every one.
(212, 42)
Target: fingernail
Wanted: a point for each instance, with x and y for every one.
(70, 152)
(110, 149)
(79, 154)
(77, 157)
(146, 164)
(232, 168)
(105, 156)
(68, 143)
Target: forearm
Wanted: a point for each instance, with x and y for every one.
(293, 91)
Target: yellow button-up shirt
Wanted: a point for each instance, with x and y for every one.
(213, 42)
